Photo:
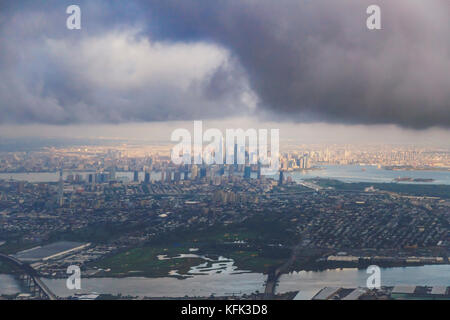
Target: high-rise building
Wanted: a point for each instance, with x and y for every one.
(231, 170)
(306, 161)
(147, 178)
(220, 151)
(217, 180)
(280, 181)
(177, 176)
(20, 186)
(235, 156)
(112, 174)
(194, 172)
(136, 176)
(284, 164)
(247, 172)
(101, 177)
(61, 189)
(202, 172)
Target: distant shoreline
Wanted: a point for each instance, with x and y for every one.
(408, 168)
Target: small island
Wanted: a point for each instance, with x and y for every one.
(408, 179)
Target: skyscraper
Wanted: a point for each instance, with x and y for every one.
(202, 172)
(112, 174)
(306, 161)
(61, 189)
(136, 176)
(247, 172)
(235, 155)
(280, 181)
(259, 171)
(177, 176)
(194, 172)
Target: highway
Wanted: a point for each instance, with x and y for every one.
(273, 276)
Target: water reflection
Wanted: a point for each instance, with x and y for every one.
(8, 285)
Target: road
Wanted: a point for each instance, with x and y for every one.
(273, 276)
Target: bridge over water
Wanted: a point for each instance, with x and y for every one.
(30, 277)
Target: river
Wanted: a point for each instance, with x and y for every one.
(8, 285)
(345, 173)
(307, 282)
(356, 173)
(310, 282)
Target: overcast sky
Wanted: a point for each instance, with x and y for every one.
(296, 64)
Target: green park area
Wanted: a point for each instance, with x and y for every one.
(143, 261)
(256, 245)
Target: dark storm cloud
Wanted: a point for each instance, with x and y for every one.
(317, 60)
(305, 60)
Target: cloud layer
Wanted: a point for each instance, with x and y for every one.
(52, 75)
(317, 60)
(170, 60)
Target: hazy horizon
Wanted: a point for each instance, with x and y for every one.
(307, 133)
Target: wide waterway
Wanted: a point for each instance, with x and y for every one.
(307, 282)
(347, 173)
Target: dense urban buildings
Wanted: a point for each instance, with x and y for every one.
(110, 202)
